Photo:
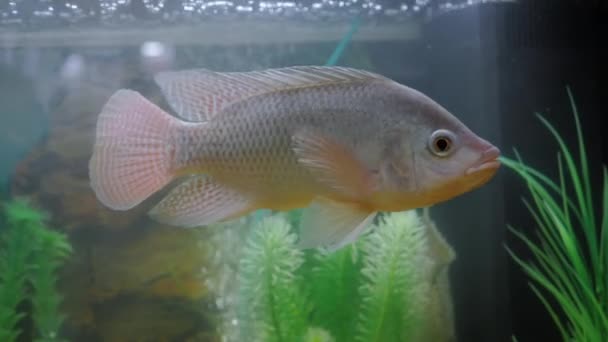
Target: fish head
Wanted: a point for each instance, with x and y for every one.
(452, 162)
(436, 157)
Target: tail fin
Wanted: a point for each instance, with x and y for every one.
(133, 152)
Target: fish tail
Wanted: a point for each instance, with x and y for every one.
(134, 152)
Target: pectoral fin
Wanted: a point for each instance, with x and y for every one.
(333, 164)
(332, 224)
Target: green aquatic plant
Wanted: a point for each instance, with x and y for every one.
(569, 273)
(336, 279)
(15, 249)
(317, 335)
(30, 255)
(377, 289)
(390, 307)
(272, 304)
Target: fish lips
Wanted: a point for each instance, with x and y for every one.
(488, 162)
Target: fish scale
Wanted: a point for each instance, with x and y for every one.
(259, 144)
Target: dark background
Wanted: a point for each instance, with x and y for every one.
(495, 65)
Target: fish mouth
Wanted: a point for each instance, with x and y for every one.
(488, 162)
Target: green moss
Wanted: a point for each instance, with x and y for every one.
(30, 255)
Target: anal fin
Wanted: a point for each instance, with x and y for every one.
(333, 225)
(200, 201)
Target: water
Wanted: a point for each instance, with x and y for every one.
(491, 63)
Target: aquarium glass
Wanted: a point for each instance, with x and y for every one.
(459, 268)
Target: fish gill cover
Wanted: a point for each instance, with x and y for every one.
(59, 13)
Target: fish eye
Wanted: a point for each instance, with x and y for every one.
(441, 143)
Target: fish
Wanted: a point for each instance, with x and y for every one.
(342, 143)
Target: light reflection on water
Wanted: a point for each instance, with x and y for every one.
(59, 13)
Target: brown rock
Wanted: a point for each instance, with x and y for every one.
(55, 174)
(121, 272)
(129, 279)
(158, 262)
(142, 319)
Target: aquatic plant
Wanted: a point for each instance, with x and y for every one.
(30, 255)
(271, 303)
(378, 289)
(391, 295)
(15, 249)
(569, 273)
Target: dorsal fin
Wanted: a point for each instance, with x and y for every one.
(199, 94)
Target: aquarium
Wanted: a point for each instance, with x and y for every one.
(357, 170)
